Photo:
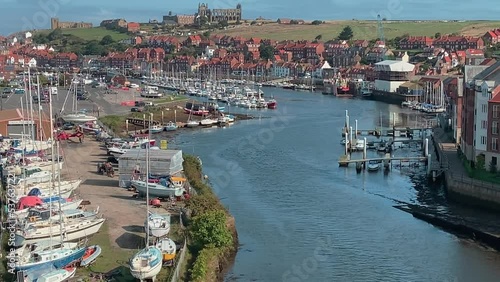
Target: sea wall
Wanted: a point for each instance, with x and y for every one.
(466, 190)
(387, 97)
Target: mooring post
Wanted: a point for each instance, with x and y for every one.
(394, 119)
(356, 129)
(345, 145)
(426, 147)
(429, 165)
(346, 122)
(144, 121)
(126, 125)
(364, 150)
(162, 117)
(350, 136)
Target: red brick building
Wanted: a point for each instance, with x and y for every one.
(133, 27)
(415, 42)
(493, 145)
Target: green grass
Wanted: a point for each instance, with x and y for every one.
(95, 33)
(361, 29)
(114, 122)
(168, 99)
(480, 174)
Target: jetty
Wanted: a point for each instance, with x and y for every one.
(141, 122)
(355, 141)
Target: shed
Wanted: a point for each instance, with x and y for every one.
(161, 162)
(14, 123)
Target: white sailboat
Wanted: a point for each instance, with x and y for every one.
(146, 264)
(168, 248)
(158, 225)
(75, 116)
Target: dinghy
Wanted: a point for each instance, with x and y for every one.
(91, 254)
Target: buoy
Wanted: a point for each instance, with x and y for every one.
(205, 176)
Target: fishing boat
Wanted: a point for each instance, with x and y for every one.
(158, 224)
(170, 126)
(373, 165)
(272, 104)
(168, 248)
(91, 254)
(49, 274)
(160, 189)
(208, 122)
(146, 263)
(155, 129)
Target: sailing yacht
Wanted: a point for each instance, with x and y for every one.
(146, 263)
(75, 116)
(158, 225)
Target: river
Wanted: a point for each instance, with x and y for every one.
(302, 218)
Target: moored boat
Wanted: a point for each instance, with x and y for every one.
(91, 254)
(168, 248)
(49, 274)
(146, 264)
(158, 224)
(373, 165)
(170, 126)
(157, 190)
(272, 104)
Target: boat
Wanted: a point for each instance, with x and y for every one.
(91, 254)
(146, 263)
(73, 229)
(360, 145)
(155, 129)
(406, 104)
(344, 141)
(30, 175)
(44, 194)
(27, 202)
(158, 189)
(49, 274)
(373, 165)
(168, 248)
(91, 127)
(192, 123)
(78, 118)
(208, 122)
(170, 126)
(58, 257)
(272, 104)
(158, 224)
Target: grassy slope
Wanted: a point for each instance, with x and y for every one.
(361, 29)
(95, 33)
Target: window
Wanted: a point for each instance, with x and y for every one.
(496, 111)
(483, 140)
(484, 124)
(484, 108)
(494, 144)
(494, 160)
(494, 127)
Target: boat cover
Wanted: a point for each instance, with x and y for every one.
(35, 192)
(28, 202)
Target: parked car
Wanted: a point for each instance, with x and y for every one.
(140, 104)
(136, 110)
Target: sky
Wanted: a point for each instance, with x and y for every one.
(17, 15)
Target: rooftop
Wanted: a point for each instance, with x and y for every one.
(394, 66)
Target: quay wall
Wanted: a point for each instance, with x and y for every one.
(466, 190)
(387, 97)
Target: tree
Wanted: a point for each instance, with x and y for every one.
(222, 24)
(56, 34)
(206, 34)
(346, 34)
(294, 22)
(437, 35)
(316, 22)
(40, 38)
(210, 228)
(266, 51)
(107, 40)
(318, 37)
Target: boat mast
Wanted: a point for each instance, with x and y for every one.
(53, 170)
(147, 181)
(59, 189)
(39, 109)
(31, 106)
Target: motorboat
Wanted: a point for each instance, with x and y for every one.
(167, 247)
(158, 224)
(272, 104)
(91, 126)
(78, 118)
(49, 274)
(344, 141)
(160, 189)
(170, 126)
(73, 229)
(91, 254)
(146, 263)
(360, 145)
(155, 129)
(406, 104)
(373, 165)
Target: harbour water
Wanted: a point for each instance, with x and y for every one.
(302, 218)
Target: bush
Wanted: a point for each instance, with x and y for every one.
(211, 229)
(201, 265)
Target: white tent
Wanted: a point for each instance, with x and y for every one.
(161, 162)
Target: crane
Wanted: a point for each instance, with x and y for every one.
(381, 37)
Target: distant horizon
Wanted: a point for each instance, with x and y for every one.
(18, 15)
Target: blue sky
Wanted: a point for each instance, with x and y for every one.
(17, 15)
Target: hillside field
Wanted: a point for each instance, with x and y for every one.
(95, 33)
(361, 29)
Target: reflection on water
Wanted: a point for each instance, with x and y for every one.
(302, 218)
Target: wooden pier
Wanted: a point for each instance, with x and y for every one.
(141, 122)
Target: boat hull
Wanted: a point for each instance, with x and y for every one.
(156, 190)
(64, 206)
(91, 257)
(72, 235)
(58, 263)
(153, 267)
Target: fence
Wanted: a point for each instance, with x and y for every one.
(175, 275)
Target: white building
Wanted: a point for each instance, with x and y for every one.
(483, 95)
(391, 74)
(209, 51)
